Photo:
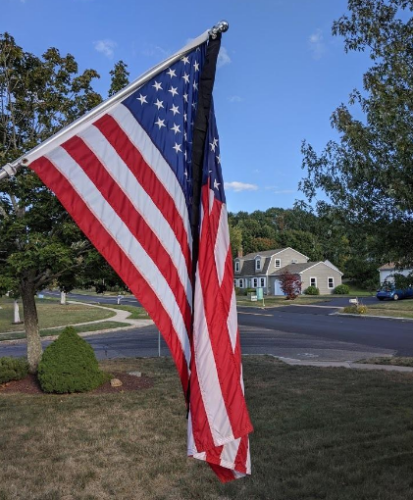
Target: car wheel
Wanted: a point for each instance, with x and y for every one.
(395, 297)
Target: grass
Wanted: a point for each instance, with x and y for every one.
(330, 434)
(94, 327)
(51, 314)
(398, 308)
(244, 301)
(390, 360)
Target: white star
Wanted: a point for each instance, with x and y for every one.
(196, 66)
(176, 128)
(186, 77)
(215, 142)
(213, 146)
(186, 157)
(159, 104)
(218, 160)
(194, 105)
(195, 86)
(173, 90)
(175, 109)
(177, 148)
(142, 98)
(216, 184)
(185, 96)
(185, 117)
(171, 72)
(160, 123)
(186, 171)
(157, 86)
(185, 136)
(185, 60)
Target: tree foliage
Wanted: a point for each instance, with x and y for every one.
(368, 173)
(290, 285)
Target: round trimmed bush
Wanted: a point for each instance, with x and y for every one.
(341, 290)
(312, 290)
(12, 369)
(69, 365)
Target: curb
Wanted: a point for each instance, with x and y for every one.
(397, 318)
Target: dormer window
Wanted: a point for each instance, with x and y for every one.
(277, 263)
(258, 263)
(237, 266)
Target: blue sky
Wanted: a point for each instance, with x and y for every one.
(280, 76)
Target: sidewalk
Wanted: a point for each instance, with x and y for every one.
(345, 364)
(119, 317)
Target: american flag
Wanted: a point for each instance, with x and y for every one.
(126, 178)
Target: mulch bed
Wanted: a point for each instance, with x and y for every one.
(30, 385)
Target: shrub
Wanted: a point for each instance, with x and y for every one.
(12, 369)
(341, 290)
(312, 290)
(69, 365)
(356, 309)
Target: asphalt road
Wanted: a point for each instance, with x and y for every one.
(297, 332)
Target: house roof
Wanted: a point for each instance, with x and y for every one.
(294, 268)
(388, 267)
(265, 253)
(300, 268)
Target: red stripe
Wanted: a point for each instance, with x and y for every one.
(137, 225)
(217, 306)
(147, 179)
(224, 475)
(240, 462)
(105, 244)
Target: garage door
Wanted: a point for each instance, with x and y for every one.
(277, 288)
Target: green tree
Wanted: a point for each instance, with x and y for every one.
(120, 77)
(368, 173)
(38, 240)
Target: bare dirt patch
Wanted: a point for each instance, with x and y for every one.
(30, 385)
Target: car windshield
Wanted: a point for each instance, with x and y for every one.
(387, 287)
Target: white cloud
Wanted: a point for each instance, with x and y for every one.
(286, 191)
(151, 50)
(316, 44)
(240, 186)
(223, 57)
(105, 47)
(235, 98)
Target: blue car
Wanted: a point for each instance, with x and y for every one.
(389, 291)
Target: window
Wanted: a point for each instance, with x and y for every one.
(313, 281)
(255, 283)
(330, 282)
(241, 283)
(258, 264)
(262, 282)
(237, 266)
(277, 263)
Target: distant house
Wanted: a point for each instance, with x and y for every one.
(264, 269)
(387, 271)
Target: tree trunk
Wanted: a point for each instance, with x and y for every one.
(34, 345)
(16, 315)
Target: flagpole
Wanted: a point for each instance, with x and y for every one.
(10, 169)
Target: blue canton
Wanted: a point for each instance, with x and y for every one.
(212, 160)
(166, 108)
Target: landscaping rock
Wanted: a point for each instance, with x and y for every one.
(115, 382)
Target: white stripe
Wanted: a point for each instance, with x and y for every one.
(209, 384)
(155, 160)
(222, 244)
(140, 199)
(232, 321)
(124, 239)
(229, 454)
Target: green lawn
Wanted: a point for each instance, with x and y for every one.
(51, 314)
(398, 308)
(281, 301)
(330, 434)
